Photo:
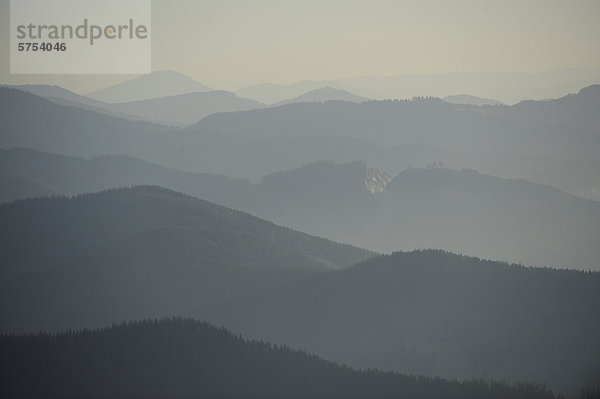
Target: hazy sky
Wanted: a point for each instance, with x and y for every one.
(231, 44)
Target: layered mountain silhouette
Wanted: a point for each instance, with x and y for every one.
(149, 252)
(436, 313)
(388, 135)
(463, 211)
(177, 110)
(509, 88)
(14, 186)
(459, 210)
(549, 146)
(152, 85)
(185, 358)
(74, 131)
(66, 129)
(429, 121)
(185, 109)
(471, 100)
(145, 251)
(579, 109)
(60, 95)
(325, 94)
(272, 93)
(142, 252)
(27, 173)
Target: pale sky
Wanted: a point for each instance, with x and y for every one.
(232, 44)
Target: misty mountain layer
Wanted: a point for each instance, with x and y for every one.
(184, 358)
(462, 211)
(553, 144)
(142, 252)
(436, 313)
(152, 85)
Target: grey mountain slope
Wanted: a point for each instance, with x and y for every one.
(471, 100)
(70, 176)
(67, 129)
(509, 88)
(155, 84)
(178, 357)
(435, 313)
(325, 94)
(429, 121)
(58, 93)
(142, 252)
(104, 108)
(507, 219)
(13, 187)
(74, 131)
(179, 110)
(462, 211)
(62, 96)
(250, 144)
(271, 93)
(581, 109)
(185, 109)
(552, 142)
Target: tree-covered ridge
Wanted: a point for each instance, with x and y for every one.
(457, 210)
(177, 358)
(141, 252)
(435, 313)
(60, 228)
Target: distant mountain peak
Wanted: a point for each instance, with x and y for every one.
(156, 84)
(324, 94)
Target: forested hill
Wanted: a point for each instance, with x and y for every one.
(142, 252)
(51, 229)
(178, 358)
(439, 314)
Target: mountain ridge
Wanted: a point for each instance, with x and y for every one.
(324, 94)
(471, 100)
(121, 254)
(431, 312)
(154, 84)
(458, 210)
(185, 358)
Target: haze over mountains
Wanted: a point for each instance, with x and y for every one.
(185, 358)
(435, 313)
(462, 211)
(58, 94)
(325, 94)
(556, 146)
(148, 252)
(54, 175)
(142, 252)
(428, 121)
(271, 93)
(155, 84)
(549, 145)
(176, 110)
(185, 109)
(300, 200)
(471, 100)
(515, 183)
(510, 88)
